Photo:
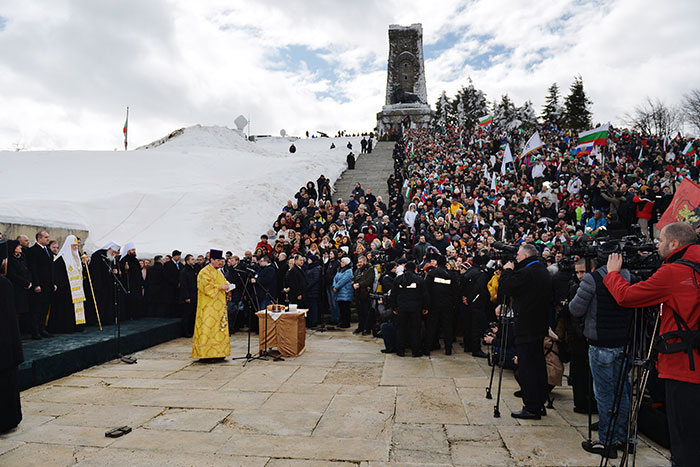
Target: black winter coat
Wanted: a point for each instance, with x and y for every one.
(530, 287)
(443, 289)
(365, 278)
(188, 284)
(18, 273)
(409, 294)
(296, 281)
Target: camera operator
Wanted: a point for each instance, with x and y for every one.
(443, 290)
(579, 369)
(675, 286)
(529, 285)
(605, 328)
(409, 298)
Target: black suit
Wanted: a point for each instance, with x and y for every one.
(40, 262)
(296, 281)
(188, 291)
(171, 276)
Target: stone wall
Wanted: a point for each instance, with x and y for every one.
(11, 230)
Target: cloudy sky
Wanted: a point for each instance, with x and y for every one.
(68, 68)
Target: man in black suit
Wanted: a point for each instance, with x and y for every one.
(296, 282)
(40, 261)
(188, 295)
(171, 273)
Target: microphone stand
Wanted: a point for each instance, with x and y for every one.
(117, 286)
(255, 304)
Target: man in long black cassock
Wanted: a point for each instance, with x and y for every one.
(18, 273)
(188, 295)
(10, 352)
(102, 262)
(155, 285)
(133, 282)
(171, 274)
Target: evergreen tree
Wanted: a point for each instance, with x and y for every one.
(551, 111)
(505, 115)
(527, 116)
(577, 114)
(442, 110)
(474, 102)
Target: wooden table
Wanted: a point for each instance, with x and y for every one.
(287, 333)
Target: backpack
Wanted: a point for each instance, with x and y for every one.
(688, 339)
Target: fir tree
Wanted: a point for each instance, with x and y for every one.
(577, 115)
(551, 111)
(474, 102)
(505, 115)
(527, 116)
(442, 110)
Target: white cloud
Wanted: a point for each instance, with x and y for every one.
(69, 68)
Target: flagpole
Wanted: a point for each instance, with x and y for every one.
(126, 128)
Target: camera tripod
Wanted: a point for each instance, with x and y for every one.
(637, 358)
(506, 318)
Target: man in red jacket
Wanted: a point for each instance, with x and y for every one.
(676, 287)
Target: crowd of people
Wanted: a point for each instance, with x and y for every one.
(430, 262)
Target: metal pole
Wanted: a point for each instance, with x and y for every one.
(92, 290)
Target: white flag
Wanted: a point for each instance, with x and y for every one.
(493, 181)
(533, 144)
(507, 157)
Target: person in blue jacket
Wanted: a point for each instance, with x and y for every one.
(342, 287)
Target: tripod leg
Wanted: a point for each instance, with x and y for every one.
(493, 371)
(502, 359)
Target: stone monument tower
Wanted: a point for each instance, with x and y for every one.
(405, 83)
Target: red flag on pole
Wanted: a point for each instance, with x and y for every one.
(685, 206)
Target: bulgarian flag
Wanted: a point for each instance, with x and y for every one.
(690, 151)
(595, 137)
(485, 121)
(395, 239)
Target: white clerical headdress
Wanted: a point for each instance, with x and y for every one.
(125, 249)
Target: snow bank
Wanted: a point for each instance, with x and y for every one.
(207, 187)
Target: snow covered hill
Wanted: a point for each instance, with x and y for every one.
(207, 187)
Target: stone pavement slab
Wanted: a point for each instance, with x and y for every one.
(120, 457)
(322, 448)
(341, 403)
(429, 405)
(187, 419)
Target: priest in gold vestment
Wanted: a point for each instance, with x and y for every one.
(211, 339)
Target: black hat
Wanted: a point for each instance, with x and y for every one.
(214, 254)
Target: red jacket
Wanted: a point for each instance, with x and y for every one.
(265, 245)
(644, 207)
(674, 286)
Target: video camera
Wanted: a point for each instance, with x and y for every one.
(506, 252)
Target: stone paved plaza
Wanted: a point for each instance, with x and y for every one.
(341, 403)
